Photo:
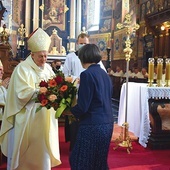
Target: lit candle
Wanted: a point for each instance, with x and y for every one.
(159, 68)
(151, 68)
(167, 74)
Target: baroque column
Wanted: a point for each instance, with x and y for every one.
(78, 27)
(36, 15)
(27, 16)
(72, 25)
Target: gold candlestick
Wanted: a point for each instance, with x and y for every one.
(167, 73)
(159, 71)
(150, 71)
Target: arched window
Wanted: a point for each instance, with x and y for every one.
(93, 15)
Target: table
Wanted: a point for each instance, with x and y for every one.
(138, 109)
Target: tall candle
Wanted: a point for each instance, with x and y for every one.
(151, 68)
(167, 74)
(159, 68)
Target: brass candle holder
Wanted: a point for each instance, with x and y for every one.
(150, 71)
(159, 71)
(167, 73)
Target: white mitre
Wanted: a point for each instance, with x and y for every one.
(39, 40)
(1, 64)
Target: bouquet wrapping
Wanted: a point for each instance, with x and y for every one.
(57, 93)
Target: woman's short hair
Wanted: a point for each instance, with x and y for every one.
(89, 53)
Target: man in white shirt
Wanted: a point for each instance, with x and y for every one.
(144, 72)
(72, 65)
(136, 73)
(119, 72)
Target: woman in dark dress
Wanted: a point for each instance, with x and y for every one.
(93, 109)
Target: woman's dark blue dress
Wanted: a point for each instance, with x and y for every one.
(94, 112)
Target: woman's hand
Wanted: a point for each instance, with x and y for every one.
(67, 112)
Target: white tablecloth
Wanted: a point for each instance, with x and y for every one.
(138, 109)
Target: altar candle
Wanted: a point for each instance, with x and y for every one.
(151, 69)
(167, 74)
(159, 68)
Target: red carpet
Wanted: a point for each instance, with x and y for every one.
(139, 159)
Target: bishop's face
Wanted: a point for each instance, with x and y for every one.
(40, 58)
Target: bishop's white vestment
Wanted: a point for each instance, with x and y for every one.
(3, 93)
(35, 134)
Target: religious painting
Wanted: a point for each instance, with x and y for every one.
(102, 41)
(105, 25)
(11, 18)
(164, 113)
(159, 115)
(7, 15)
(142, 11)
(118, 43)
(17, 12)
(148, 43)
(105, 8)
(54, 14)
(118, 12)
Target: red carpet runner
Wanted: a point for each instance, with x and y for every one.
(139, 159)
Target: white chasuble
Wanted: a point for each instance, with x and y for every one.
(36, 143)
(3, 93)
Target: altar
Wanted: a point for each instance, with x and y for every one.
(51, 58)
(138, 116)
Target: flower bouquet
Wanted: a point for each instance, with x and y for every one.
(56, 93)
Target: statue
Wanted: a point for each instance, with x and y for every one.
(4, 36)
(21, 32)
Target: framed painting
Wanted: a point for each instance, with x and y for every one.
(102, 41)
(54, 14)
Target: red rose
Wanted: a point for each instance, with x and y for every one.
(44, 102)
(52, 83)
(59, 79)
(43, 83)
(41, 97)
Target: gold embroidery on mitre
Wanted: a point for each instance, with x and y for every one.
(39, 41)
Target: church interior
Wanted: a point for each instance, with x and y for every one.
(64, 20)
(128, 33)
